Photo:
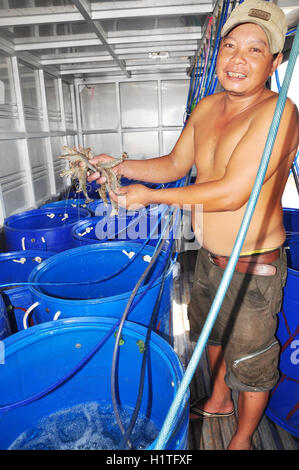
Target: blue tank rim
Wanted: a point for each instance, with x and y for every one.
(33, 212)
(293, 271)
(56, 327)
(26, 253)
(86, 223)
(290, 209)
(67, 202)
(148, 249)
(92, 221)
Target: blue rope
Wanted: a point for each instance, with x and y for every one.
(294, 168)
(229, 270)
(223, 17)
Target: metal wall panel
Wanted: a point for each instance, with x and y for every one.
(144, 118)
(9, 113)
(98, 107)
(141, 145)
(139, 104)
(169, 140)
(31, 96)
(57, 144)
(174, 98)
(39, 168)
(16, 191)
(68, 107)
(103, 143)
(53, 103)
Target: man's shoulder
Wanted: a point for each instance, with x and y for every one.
(211, 99)
(263, 115)
(265, 109)
(272, 99)
(206, 104)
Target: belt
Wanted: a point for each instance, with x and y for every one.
(259, 263)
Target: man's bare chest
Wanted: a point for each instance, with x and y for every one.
(214, 144)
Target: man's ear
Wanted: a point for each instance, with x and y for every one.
(276, 63)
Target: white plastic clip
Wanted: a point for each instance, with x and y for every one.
(66, 216)
(88, 229)
(23, 243)
(129, 255)
(57, 314)
(51, 216)
(147, 258)
(21, 260)
(38, 259)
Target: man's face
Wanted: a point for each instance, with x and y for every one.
(244, 60)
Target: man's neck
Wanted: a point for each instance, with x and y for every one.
(235, 104)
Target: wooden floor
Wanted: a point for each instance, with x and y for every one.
(213, 434)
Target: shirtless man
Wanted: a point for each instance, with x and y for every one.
(225, 138)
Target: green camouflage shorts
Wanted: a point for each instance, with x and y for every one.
(246, 323)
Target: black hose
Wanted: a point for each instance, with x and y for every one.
(116, 347)
(119, 331)
(133, 419)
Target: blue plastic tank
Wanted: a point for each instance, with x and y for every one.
(16, 266)
(42, 229)
(120, 270)
(79, 412)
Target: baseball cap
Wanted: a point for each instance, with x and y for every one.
(267, 15)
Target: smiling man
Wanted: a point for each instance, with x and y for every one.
(225, 138)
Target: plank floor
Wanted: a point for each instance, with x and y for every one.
(213, 434)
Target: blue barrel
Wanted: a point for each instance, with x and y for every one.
(136, 226)
(283, 407)
(66, 203)
(42, 229)
(108, 298)
(79, 413)
(5, 329)
(16, 266)
(86, 232)
(291, 223)
(97, 206)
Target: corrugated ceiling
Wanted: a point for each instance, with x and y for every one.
(81, 38)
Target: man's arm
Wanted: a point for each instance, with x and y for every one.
(233, 190)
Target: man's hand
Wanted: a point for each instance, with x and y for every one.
(133, 197)
(101, 159)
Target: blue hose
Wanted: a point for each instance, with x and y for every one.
(229, 270)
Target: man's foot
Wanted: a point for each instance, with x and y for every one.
(208, 408)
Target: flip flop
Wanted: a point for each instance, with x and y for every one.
(206, 414)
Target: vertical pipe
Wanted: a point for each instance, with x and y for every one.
(49, 154)
(24, 142)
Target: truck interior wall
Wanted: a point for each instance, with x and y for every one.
(41, 113)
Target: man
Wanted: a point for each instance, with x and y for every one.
(225, 138)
